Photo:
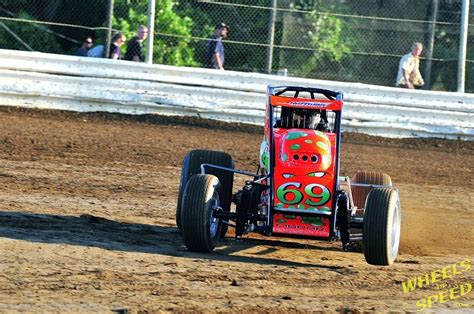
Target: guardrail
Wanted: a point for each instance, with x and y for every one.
(38, 80)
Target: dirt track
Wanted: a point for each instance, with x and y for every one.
(87, 222)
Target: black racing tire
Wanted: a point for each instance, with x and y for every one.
(199, 229)
(192, 165)
(359, 193)
(382, 224)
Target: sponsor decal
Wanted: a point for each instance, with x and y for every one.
(309, 104)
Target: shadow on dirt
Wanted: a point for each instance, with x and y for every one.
(88, 230)
(273, 245)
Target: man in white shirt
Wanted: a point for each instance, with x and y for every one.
(409, 75)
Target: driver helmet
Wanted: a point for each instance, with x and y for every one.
(304, 118)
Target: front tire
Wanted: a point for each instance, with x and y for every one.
(382, 224)
(201, 197)
(192, 165)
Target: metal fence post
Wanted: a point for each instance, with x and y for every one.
(151, 31)
(108, 39)
(463, 46)
(271, 35)
(429, 43)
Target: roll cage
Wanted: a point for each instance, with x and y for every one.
(293, 97)
(288, 97)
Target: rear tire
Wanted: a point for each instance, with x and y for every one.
(200, 230)
(359, 193)
(382, 222)
(192, 165)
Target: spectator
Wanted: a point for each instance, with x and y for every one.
(409, 75)
(215, 49)
(117, 42)
(86, 45)
(134, 47)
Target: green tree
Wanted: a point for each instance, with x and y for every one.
(89, 13)
(34, 35)
(319, 33)
(244, 47)
(172, 31)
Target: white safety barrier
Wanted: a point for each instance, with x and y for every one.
(38, 80)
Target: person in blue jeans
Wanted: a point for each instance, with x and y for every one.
(215, 48)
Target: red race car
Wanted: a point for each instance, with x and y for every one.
(297, 189)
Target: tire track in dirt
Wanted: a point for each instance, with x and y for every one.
(87, 221)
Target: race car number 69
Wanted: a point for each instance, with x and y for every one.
(284, 191)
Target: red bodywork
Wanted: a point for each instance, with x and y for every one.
(304, 175)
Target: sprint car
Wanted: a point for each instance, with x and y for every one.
(297, 189)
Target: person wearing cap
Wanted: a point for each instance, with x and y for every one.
(215, 49)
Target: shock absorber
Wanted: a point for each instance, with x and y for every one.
(343, 219)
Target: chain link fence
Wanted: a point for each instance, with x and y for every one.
(341, 40)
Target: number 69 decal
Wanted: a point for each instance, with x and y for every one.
(289, 193)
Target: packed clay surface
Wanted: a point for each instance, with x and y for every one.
(87, 223)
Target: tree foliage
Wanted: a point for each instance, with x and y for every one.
(244, 50)
(172, 50)
(320, 35)
(323, 39)
(33, 35)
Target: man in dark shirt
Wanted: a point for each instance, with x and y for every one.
(215, 49)
(134, 47)
(117, 41)
(86, 45)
